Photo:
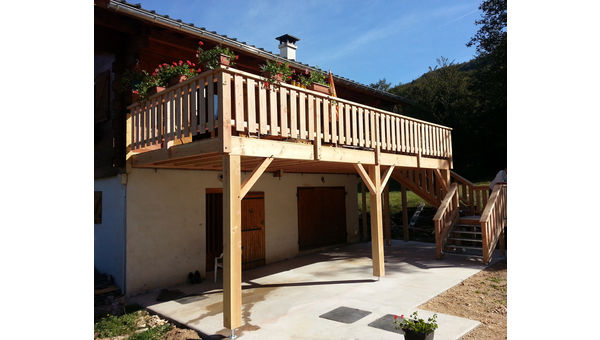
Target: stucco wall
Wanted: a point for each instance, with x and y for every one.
(109, 236)
(166, 221)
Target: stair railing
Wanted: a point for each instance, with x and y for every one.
(445, 218)
(475, 197)
(493, 221)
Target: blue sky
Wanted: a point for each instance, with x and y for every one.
(361, 40)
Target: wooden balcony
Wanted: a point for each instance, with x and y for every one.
(193, 124)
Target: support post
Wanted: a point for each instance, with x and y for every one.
(404, 213)
(376, 222)
(387, 223)
(363, 229)
(232, 242)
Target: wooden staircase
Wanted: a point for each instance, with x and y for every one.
(467, 222)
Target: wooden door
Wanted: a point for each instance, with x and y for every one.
(253, 228)
(321, 216)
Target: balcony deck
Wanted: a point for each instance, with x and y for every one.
(302, 130)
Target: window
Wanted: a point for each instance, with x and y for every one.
(97, 207)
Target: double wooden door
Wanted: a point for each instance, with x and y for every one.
(321, 216)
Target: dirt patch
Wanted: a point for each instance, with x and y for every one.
(481, 297)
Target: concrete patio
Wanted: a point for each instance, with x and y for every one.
(284, 300)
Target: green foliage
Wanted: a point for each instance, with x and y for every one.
(276, 70)
(145, 84)
(492, 33)
(312, 77)
(210, 58)
(416, 324)
(113, 325)
(381, 85)
(164, 73)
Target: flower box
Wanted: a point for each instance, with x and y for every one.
(319, 88)
(412, 335)
(155, 89)
(177, 79)
(224, 59)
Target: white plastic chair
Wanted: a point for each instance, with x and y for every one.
(218, 264)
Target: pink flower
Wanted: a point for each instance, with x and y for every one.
(174, 64)
(200, 43)
(402, 316)
(165, 64)
(199, 69)
(395, 317)
(181, 62)
(188, 62)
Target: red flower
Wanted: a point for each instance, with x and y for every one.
(289, 77)
(402, 316)
(279, 63)
(199, 69)
(395, 317)
(165, 64)
(293, 71)
(237, 57)
(174, 64)
(153, 73)
(181, 62)
(200, 43)
(193, 64)
(266, 83)
(135, 91)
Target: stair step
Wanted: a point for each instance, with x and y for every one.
(466, 255)
(462, 247)
(464, 239)
(467, 232)
(470, 220)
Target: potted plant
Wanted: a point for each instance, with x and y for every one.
(146, 86)
(216, 56)
(276, 72)
(176, 72)
(415, 328)
(317, 82)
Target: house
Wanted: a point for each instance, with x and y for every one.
(221, 163)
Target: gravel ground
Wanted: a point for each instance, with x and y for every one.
(481, 297)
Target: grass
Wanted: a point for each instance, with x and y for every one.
(112, 325)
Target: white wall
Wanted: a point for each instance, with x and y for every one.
(166, 221)
(109, 236)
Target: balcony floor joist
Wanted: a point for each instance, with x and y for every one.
(288, 156)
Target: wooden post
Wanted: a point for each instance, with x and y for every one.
(404, 214)
(363, 229)
(232, 243)
(387, 223)
(376, 222)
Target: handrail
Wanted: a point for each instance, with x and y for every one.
(445, 218)
(493, 221)
(474, 196)
(197, 105)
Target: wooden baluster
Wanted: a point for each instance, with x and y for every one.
(348, 132)
(293, 115)
(283, 110)
(262, 109)
(273, 111)
(239, 102)
(311, 116)
(326, 116)
(367, 128)
(251, 104)
(334, 122)
(210, 99)
(354, 133)
(361, 131)
(185, 112)
(302, 115)
(317, 119)
(193, 112)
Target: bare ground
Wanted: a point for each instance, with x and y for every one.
(481, 297)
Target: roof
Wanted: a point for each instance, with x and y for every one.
(136, 10)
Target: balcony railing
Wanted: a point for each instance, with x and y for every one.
(196, 108)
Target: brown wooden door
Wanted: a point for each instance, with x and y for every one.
(253, 228)
(321, 216)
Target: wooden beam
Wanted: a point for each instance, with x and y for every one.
(404, 213)
(387, 222)
(363, 230)
(232, 243)
(386, 178)
(376, 222)
(365, 177)
(254, 176)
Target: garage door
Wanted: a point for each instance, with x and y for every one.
(321, 216)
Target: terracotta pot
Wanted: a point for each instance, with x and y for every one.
(135, 97)
(319, 88)
(224, 59)
(277, 77)
(177, 79)
(155, 90)
(412, 335)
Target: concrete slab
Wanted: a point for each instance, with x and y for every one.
(284, 300)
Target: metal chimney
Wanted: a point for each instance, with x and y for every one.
(287, 46)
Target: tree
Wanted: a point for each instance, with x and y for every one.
(381, 85)
(492, 33)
